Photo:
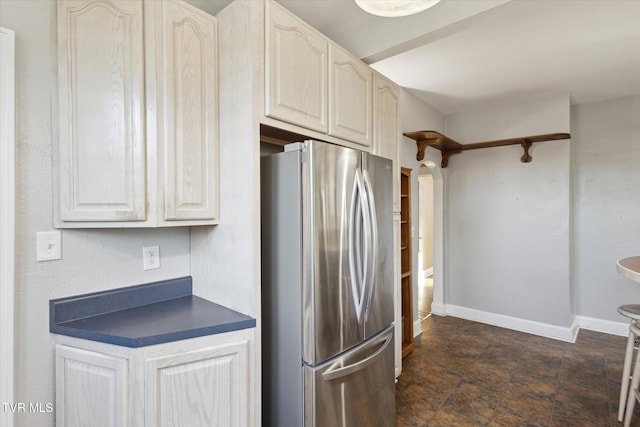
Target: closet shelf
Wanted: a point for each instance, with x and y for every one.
(448, 147)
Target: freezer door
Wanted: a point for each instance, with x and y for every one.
(331, 295)
(377, 175)
(356, 389)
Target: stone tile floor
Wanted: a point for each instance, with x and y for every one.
(463, 373)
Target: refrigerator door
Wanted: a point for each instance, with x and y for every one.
(378, 180)
(331, 295)
(356, 389)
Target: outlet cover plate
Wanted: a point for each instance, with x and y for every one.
(150, 257)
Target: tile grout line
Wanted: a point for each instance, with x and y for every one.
(606, 377)
(450, 392)
(506, 388)
(555, 395)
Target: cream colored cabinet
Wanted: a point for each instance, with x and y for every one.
(351, 97)
(101, 111)
(313, 83)
(296, 71)
(137, 114)
(91, 388)
(203, 381)
(188, 117)
(207, 387)
(386, 129)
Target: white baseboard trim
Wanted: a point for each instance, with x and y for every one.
(600, 325)
(428, 272)
(417, 327)
(529, 326)
(439, 309)
(568, 334)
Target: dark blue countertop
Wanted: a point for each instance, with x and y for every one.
(142, 315)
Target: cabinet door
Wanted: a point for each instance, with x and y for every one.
(101, 146)
(350, 100)
(386, 129)
(207, 387)
(91, 388)
(296, 71)
(189, 119)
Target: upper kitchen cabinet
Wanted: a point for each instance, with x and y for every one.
(313, 84)
(386, 129)
(296, 71)
(351, 100)
(137, 115)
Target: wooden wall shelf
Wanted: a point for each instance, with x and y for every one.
(447, 146)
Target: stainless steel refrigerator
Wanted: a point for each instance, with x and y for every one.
(327, 287)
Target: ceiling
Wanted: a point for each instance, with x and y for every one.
(463, 54)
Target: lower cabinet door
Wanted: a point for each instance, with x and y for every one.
(206, 387)
(91, 388)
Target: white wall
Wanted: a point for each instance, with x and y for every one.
(606, 161)
(91, 260)
(416, 115)
(508, 223)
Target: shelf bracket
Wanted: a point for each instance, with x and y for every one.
(445, 156)
(526, 158)
(422, 147)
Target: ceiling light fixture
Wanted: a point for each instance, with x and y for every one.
(393, 8)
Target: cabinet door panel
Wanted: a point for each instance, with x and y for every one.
(206, 387)
(386, 129)
(190, 125)
(97, 380)
(351, 99)
(101, 111)
(296, 71)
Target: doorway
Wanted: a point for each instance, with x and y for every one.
(438, 279)
(425, 242)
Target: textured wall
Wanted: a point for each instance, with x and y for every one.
(508, 232)
(91, 260)
(606, 160)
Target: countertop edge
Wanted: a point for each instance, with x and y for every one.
(162, 315)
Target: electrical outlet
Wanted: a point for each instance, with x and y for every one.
(48, 245)
(150, 257)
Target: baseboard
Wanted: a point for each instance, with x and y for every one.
(568, 334)
(605, 326)
(529, 326)
(417, 327)
(439, 309)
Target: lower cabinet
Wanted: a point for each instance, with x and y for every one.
(203, 381)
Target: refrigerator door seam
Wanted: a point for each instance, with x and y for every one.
(373, 241)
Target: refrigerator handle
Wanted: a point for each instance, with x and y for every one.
(333, 374)
(358, 281)
(373, 252)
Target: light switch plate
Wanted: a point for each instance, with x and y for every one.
(48, 245)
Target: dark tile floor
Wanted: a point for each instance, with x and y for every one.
(463, 373)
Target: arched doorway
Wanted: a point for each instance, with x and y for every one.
(438, 305)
